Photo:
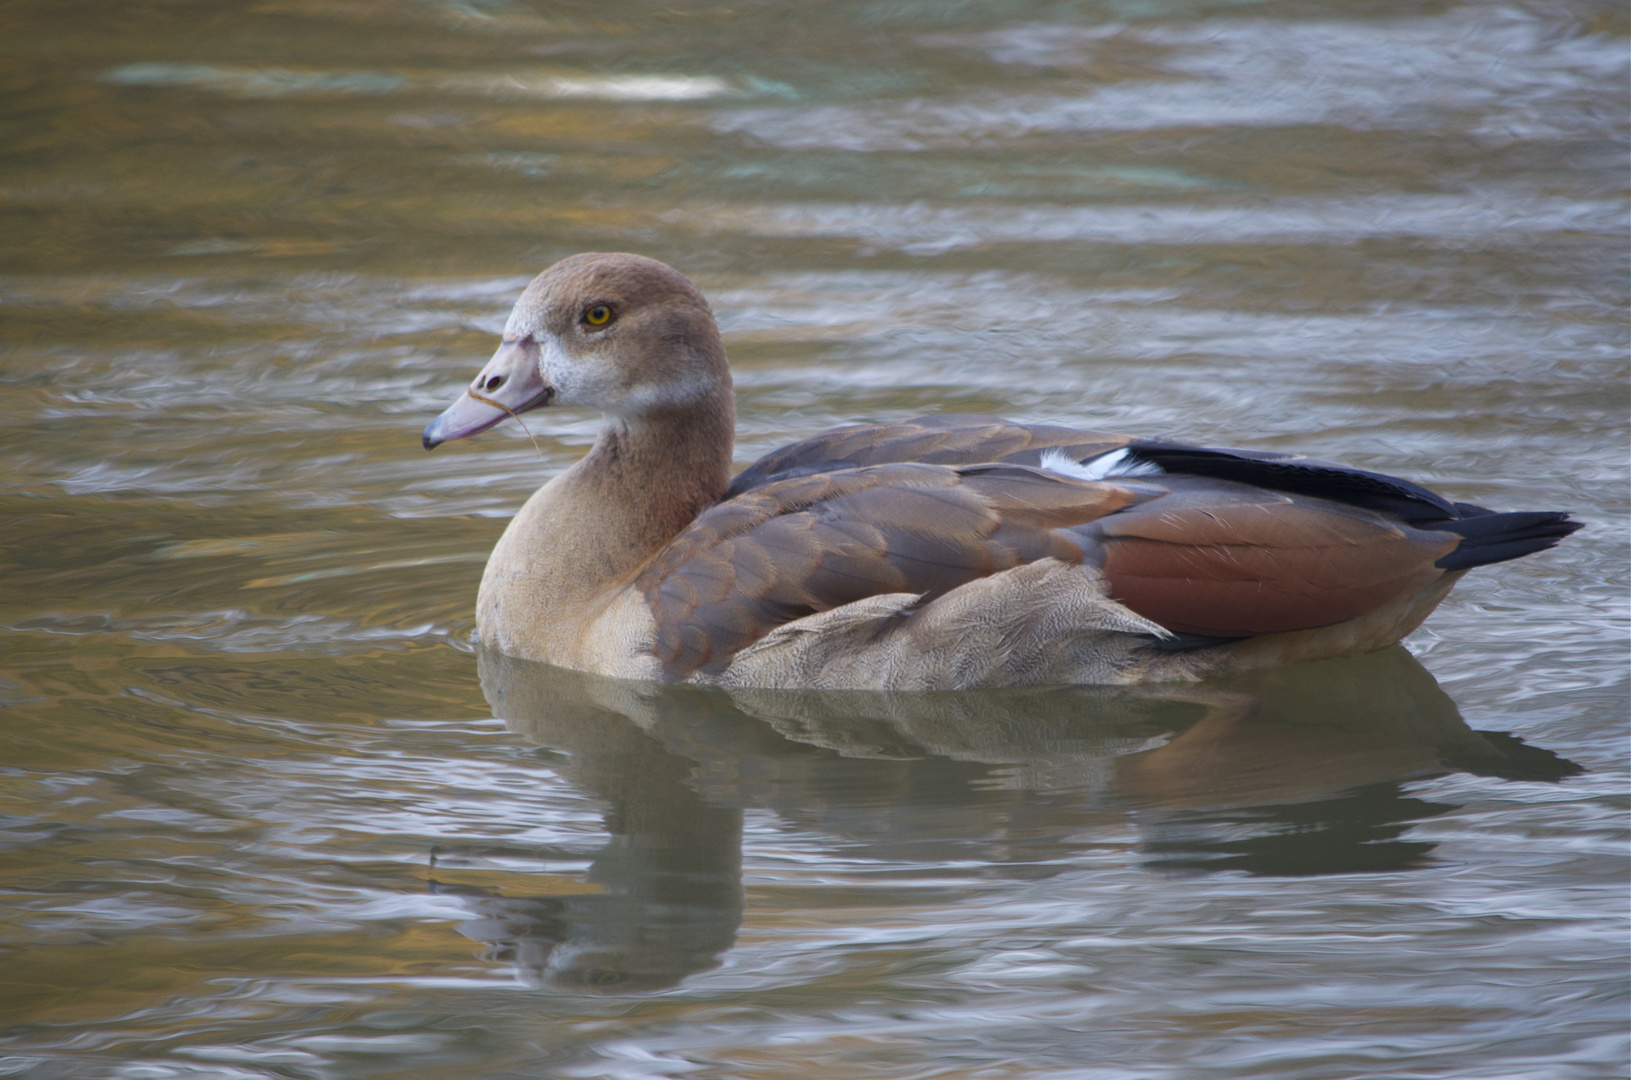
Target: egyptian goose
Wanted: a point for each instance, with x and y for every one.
(938, 553)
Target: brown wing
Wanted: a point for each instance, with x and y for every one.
(946, 439)
(793, 547)
(860, 511)
(1231, 560)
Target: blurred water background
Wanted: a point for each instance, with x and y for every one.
(264, 812)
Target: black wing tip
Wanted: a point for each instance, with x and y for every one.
(1404, 499)
(1496, 537)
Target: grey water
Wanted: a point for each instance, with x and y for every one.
(266, 811)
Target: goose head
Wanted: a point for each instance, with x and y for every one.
(620, 333)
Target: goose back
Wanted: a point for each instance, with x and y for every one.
(1212, 545)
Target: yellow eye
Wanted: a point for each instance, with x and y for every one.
(599, 315)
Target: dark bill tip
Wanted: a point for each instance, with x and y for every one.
(463, 418)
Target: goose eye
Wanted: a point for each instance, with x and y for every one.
(599, 315)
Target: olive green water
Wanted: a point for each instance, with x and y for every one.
(257, 816)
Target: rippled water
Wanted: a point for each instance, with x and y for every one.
(257, 818)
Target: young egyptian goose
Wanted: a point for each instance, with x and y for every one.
(937, 553)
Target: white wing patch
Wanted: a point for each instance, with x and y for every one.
(1105, 466)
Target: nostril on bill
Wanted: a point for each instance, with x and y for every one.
(493, 383)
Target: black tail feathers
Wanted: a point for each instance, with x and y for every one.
(1489, 537)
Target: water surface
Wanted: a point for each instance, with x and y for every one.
(265, 811)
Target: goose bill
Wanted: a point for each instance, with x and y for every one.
(510, 384)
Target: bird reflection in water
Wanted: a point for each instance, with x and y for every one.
(1289, 771)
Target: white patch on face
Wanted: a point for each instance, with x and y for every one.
(693, 389)
(515, 325)
(527, 315)
(570, 377)
(1103, 467)
(592, 382)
